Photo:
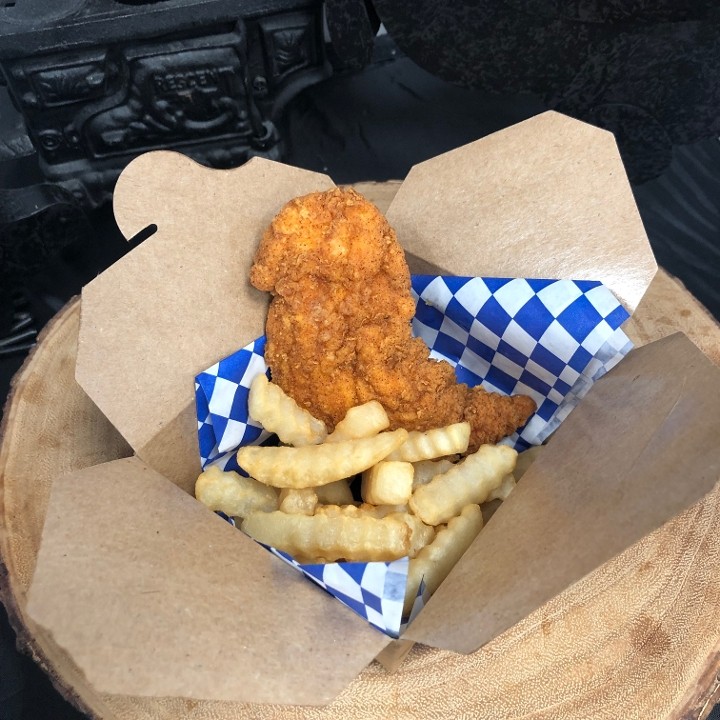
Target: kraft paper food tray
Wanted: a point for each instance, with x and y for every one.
(151, 594)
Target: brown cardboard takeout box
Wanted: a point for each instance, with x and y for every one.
(151, 594)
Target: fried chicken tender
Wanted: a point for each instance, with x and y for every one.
(338, 328)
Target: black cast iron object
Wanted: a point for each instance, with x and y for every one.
(101, 81)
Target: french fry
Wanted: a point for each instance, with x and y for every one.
(302, 501)
(279, 413)
(387, 483)
(469, 482)
(314, 465)
(435, 561)
(420, 534)
(524, 460)
(361, 421)
(341, 510)
(426, 470)
(336, 493)
(355, 539)
(504, 489)
(364, 510)
(435, 443)
(382, 511)
(233, 494)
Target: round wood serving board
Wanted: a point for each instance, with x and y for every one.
(638, 638)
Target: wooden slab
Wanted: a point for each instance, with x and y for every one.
(640, 637)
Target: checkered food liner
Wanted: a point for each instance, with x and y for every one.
(549, 339)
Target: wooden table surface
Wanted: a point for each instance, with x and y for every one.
(637, 638)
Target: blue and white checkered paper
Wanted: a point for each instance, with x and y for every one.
(374, 590)
(549, 339)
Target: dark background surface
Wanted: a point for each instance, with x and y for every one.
(374, 125)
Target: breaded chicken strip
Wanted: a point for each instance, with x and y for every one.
(338, 329)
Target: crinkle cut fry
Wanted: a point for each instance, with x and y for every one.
(434, 562)
(315, 465)
(278, 413)
(233, 494)
(340, 537)
(470, 482)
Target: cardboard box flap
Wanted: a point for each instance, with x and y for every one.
(547, 198)
(608, 477)
(159, 315)
(153, 595)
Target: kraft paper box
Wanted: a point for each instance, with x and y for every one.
(548, 339)
(151, 594)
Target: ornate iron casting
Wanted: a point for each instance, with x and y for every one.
(100, 81)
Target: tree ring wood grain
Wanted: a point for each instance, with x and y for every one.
(639, 637)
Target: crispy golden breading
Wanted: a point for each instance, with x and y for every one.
(338, 328)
